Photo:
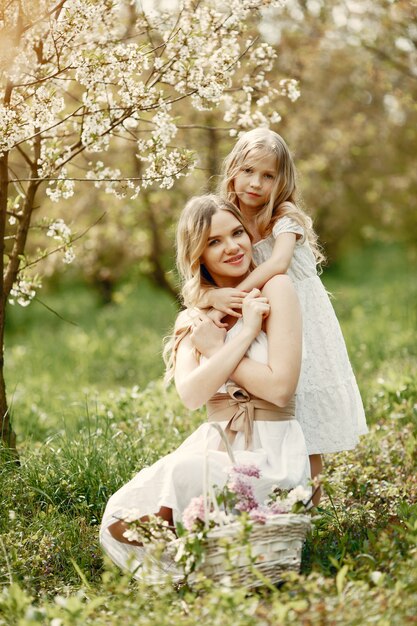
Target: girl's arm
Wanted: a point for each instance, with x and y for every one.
(197, 382)
(276, 381)
(278, 263)
(224, 299)
(227, 300)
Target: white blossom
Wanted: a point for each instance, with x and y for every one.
(376, 576)
(290, 88)
(62, 233)
(298, 494)
(82, 80)
(23, 291)
(61, 187)
(69, 255)
(59, 231)
(131, 534)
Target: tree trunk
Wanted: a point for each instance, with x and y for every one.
(213, 159)
(8, 437)
(158, 273)
(9, 274)
(105, 283)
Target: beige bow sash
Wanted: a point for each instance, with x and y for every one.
(240, 410)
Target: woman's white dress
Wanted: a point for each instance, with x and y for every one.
(278, 449)
(328, 403)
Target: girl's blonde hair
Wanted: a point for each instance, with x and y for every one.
(193, 231)
(283, 199)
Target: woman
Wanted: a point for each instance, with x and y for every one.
(259, 358)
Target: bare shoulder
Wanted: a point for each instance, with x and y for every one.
(281, 284)
(182, 327)
(184, 320)
(281, 294)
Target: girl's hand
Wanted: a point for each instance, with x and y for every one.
(255, 309)
(206, 337)
(227, 300)
(216, 317)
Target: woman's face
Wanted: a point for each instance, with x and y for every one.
(228, 252)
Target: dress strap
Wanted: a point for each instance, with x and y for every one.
(240, 410)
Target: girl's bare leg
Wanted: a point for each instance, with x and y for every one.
(118, 528)
(316, 466)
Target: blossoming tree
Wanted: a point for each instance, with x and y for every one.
(80, 76)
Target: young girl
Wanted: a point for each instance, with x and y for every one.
(259, 178)
(260, 353)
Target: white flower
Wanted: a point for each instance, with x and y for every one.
(221, 517)
(59, 231)
(180, 552)
(376, 576)
(290, 88)
(130, 123)
(298, 494)
(131, 534)
(69, 255)
(23, 291)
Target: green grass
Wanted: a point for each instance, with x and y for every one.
(88, 418)
(56, 370)
(375, 297)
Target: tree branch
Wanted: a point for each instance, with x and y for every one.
(56, 9)
(25, 156)
(99, 180)
(24, 223)
(63, 246)
(54, 312)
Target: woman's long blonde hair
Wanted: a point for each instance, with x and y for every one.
(193, 231)
(283, 199)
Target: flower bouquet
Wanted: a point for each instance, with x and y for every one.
(229, 533)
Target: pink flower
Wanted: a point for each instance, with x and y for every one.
(193, 512)
(259, 515)
(241, 488)
(247, 470)
(246, 500)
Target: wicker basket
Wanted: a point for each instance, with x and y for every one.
(274, 547)
(269, 549)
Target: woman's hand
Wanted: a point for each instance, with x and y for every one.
(255, 309)
(227, 300)
(206, 337)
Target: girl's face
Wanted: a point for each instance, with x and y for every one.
(228, 252)
(254, 181)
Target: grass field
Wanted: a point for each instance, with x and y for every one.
(90, 410)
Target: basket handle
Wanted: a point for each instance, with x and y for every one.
(208, 492)
(225, 441)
